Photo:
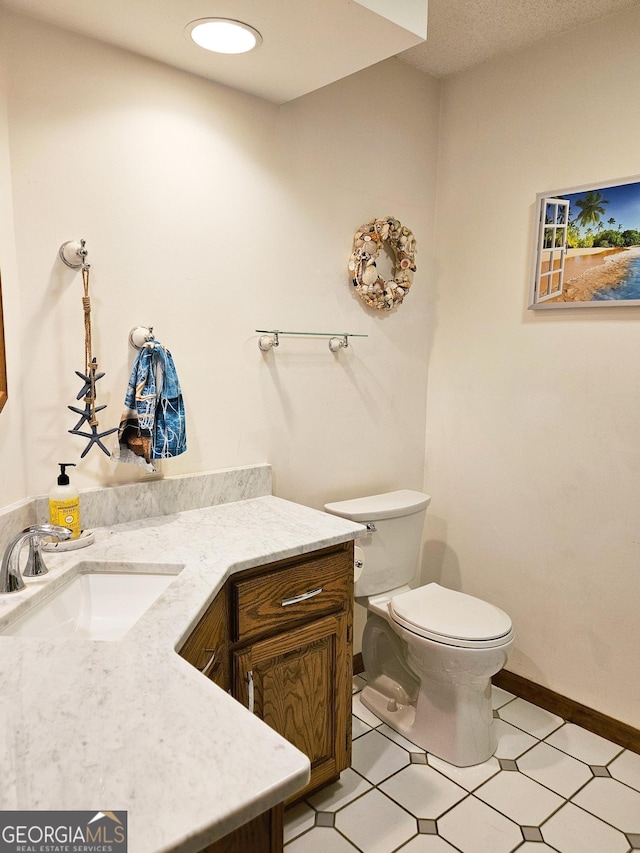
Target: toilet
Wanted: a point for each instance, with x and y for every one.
(429, 652)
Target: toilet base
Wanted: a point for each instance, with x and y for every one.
(454, 722)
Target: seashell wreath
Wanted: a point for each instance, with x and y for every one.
(368, 240)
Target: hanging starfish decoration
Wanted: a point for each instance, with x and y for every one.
(94, 438)
(89, 381)
(85, 414)
(89, 377)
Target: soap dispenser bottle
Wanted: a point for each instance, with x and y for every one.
(64, 502)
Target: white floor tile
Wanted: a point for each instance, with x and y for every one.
(363, 713)
(583, 745)
(519, 798)
(393, 735)
(358, 727)
(427, 844)
(375, 824)
(626, 768)
(298, 819)
(535, 847)
(322, 839)
(612, 801)
(468, 777)
(423, 791)
(474, 827)
(511, 741)
(500, 697)
(572, 830)
(536, 721)
(376, 757)
(334, 797)
(561, 772)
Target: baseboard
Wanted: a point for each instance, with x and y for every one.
(572, 712)
(568, 709)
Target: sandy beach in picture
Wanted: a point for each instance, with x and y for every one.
(587, 271)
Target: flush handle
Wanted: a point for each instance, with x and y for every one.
(302, 597)
(371, 527)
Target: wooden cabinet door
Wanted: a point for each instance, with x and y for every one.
(207, 646)
(299, 683)
(263, 834)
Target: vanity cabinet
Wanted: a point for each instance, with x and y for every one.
(281, 640)
(207, 647)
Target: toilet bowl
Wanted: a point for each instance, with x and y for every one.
(429, 652)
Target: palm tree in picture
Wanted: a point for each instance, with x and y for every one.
(591, 209)
(611, 222)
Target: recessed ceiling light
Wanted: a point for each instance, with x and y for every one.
(222, 35)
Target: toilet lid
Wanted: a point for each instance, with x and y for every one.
(450, 617)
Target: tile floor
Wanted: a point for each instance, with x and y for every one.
(551, 787)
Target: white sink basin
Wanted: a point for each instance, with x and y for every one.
(93, 605)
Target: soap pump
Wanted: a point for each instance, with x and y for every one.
(64, 502)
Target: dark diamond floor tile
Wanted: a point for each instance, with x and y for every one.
(427, 827)
(531, 833)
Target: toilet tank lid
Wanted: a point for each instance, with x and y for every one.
(376, 507)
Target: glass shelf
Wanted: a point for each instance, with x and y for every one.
(337, 340)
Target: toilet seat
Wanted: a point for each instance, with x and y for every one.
(451, 618)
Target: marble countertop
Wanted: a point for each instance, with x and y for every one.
(130, 725)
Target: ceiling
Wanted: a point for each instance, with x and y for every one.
(333, 38)
(463, 33)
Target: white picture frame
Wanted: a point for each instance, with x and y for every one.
(587, 246)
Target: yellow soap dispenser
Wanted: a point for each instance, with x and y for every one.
(64, 502)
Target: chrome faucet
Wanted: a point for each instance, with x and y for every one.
(10, 577)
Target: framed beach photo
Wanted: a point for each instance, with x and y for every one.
(587, 246)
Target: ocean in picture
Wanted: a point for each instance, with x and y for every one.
(629, 287)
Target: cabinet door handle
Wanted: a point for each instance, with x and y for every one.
(206, 669)
(302, 597)
(250, 699)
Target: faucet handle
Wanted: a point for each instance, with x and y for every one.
(50, 530)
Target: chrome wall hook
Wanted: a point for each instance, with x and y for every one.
(140, 335)
(74, 254)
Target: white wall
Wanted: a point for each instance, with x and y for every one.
(209, 214)
(533, 456)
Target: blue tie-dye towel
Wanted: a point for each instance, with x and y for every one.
(153, 423)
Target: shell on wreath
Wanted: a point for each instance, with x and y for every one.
(370, 274)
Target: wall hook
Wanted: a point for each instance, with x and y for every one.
(74, 254)
(140, 335)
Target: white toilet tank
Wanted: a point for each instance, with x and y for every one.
(390, 552)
